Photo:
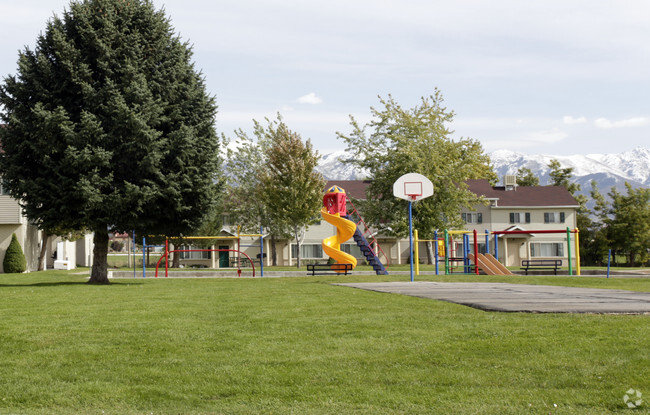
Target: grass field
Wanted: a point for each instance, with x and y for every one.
(300, 345)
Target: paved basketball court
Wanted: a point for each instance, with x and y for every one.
(519, 297)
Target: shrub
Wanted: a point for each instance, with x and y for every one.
(14, 261)
(117, 246)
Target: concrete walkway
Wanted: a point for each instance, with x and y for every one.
(519, 297)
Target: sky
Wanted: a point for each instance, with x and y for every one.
(554, 77)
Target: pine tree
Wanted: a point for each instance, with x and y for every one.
(109, 126)
(526, 177)
(14, 261)
(629, 224)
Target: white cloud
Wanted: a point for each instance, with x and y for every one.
(569, 120)
(310, 98)
(630, 122)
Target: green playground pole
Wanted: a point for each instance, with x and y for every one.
(446, 252)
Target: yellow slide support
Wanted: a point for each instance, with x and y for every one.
(332, 245)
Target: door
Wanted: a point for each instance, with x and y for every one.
(224, 257)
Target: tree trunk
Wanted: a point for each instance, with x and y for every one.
(430, 254)
(295, 232)
(99, 272)
(41, 256)
(176, 260)
(274, 252)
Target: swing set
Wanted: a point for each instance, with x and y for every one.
(167, 252)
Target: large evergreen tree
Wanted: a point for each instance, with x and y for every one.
(109, 126)
(416, 140)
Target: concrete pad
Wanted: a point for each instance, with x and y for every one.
(519, 297)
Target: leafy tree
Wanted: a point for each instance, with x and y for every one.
(14, 261)
(415, 140)
(246, 163)
(629, 224)
(562, 177)
(526, 177)
(109, 126)
(594, 240)
(290, 188)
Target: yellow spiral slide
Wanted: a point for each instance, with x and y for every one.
(344, 230)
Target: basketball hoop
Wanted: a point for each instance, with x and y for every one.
(413, 187)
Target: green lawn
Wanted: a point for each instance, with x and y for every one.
(300, 345)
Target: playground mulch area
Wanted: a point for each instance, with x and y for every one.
(506, 297)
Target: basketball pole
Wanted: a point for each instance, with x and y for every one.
(411, 234)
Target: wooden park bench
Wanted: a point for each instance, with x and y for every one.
(541, 264)
(327, 269)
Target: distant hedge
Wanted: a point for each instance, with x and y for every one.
(14, 261)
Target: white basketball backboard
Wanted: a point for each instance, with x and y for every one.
(413, 187)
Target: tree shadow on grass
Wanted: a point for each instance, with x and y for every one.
(64, 283)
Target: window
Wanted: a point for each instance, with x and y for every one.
(352, 249)
(472, 218)
(516, 217)
(545, 249)
(307, 251)
(194, 255)
(554, 217)
(3, 189)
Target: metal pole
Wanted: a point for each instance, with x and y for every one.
(577, 237)
(262, 251)
(609, 261)
(411, 236)
(496, 246)
(475, 252)
(568, 244)
(466, 253)
(417, 252)
(446, 252)
(144, 262)
(133, 254)
(166, 258)
(435, 241)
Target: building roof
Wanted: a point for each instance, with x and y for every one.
(533, 196)
(353, 188)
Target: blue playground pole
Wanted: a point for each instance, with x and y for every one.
(435, 243)
(411, 236)
(496, 246)
(609, 260)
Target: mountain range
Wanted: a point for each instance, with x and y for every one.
(608, 170)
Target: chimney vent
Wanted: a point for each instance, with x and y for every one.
(510, 182)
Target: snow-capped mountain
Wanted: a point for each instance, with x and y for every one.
(331, 167)
(608, 170)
